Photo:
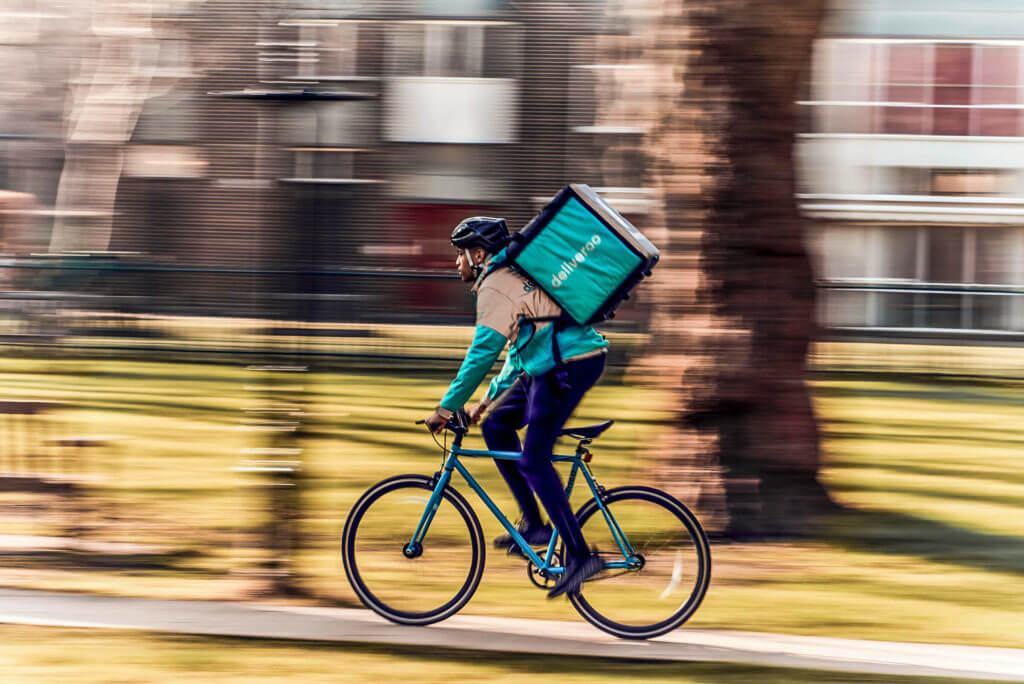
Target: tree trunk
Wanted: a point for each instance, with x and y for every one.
(745, 402)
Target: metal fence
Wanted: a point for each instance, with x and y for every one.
(935, 312)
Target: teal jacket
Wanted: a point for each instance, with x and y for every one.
(503, 298)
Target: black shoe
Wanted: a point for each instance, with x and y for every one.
(576, 573)
(534, 536)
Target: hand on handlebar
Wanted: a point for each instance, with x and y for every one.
(435, 422)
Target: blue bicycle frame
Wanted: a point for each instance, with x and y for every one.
(630, 559)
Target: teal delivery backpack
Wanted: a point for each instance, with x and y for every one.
(583, 254)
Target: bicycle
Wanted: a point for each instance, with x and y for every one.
(657, 557)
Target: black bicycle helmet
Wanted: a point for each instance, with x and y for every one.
(481, 231)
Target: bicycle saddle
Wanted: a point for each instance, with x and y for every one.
(588, 432)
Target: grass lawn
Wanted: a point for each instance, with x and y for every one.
(42, 654)
(931, 550)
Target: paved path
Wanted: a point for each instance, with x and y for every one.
(508, 634)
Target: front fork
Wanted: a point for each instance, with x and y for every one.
(440, 480)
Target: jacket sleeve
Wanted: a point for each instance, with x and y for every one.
(503, 380)
(483, 352)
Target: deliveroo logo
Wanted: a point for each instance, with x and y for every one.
(569, 266)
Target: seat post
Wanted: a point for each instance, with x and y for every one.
(582, 451)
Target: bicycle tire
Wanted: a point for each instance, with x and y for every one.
(701, 551)
(350, 556)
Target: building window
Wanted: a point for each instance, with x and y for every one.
(971, 182)
(951, 89)
(945, 256)
(908, 77)
(923, 180)
(997, 83)
(314, 49)
(928, 277)
(918, 88)
(326, 49)
(454, 49)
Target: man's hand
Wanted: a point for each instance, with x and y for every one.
(477, 412)
(435, 422)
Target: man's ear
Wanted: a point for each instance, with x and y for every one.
(479, 255)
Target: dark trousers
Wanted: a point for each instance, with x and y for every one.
(543, 406)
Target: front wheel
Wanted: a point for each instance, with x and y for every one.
(412, 584)
(669, 569)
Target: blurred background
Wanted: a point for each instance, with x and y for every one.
(167, 158)
(230, 139)
(227, 291)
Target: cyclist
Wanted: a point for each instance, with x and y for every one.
(539, 386)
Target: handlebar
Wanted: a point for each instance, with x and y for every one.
(458, 423)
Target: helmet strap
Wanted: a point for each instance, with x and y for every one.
(477, 268)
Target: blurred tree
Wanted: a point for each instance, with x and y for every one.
(117, 61)
(736, 322)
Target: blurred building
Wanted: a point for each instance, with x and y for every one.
(914, 167)
(327, 135)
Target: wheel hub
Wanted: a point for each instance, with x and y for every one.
(413, 550)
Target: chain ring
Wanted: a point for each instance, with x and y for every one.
(540, 579)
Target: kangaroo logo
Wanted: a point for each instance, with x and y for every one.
(569, 266)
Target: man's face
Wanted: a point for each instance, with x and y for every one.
(464, 264)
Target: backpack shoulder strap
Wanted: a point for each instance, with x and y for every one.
(559, 323)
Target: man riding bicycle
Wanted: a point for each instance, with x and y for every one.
(539, 386)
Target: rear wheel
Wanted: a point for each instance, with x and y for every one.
(412, 585)
(671, 564)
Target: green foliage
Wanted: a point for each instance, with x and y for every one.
(929, 549)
